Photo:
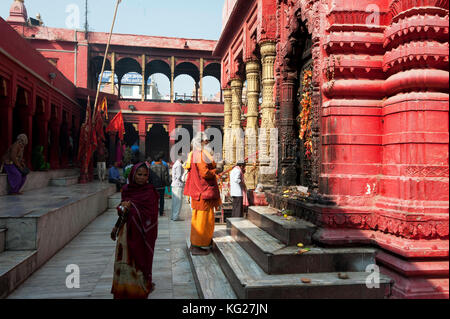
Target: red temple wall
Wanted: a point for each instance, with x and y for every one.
(383, 119)
(21, 66)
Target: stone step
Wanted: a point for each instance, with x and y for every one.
(64, 181)
(290, 232)
(249, 281)
(209, 278)
(114, 200)
(2, 239)
(37, 180)
(15, 268)
(47, 219)
(274, 257)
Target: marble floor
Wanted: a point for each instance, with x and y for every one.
(93, 252)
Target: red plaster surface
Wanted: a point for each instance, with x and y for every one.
(383, 124)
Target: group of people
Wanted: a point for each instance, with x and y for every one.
(158, 176)
(195, 176)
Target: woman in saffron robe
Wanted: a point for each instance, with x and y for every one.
(201, 186)
(137, 229)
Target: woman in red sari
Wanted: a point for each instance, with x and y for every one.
(136, 231)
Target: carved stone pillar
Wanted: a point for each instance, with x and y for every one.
(251, 132)
(227, 127)
(288, 141)
(268, 54)
(236, 105)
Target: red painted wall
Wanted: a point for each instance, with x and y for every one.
(383, 122)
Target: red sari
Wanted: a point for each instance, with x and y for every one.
(136, 241)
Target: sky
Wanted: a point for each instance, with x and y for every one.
(195, 19)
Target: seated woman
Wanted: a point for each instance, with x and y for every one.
(14, 165)
(136, 231)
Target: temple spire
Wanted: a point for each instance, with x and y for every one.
(17, 13)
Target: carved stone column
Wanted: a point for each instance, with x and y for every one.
(288, 141)
(251, 132)
(268, 54)
(236, 105)
(227, 127)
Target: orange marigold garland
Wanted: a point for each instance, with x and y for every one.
(305, 117)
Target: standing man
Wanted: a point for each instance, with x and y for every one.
(159, 176)
(238, 189)
(177, 187)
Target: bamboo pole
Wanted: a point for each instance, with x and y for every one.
(104, 59)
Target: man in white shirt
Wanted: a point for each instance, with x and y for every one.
(237, 187)
(177, 187)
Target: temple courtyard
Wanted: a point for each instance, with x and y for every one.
(93, 251)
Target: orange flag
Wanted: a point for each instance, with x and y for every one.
(116, 125)
(103, 107)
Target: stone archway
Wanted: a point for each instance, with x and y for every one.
(157, 140)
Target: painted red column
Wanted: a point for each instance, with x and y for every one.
(55, 124)
(172, 126)
(142, 137)
(42, 122)
(64, 134)
(414, 198)
(29, 132)
(6, 118)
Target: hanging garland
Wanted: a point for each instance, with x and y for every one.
(305, 117)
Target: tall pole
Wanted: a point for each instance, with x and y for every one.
(104, 58)
(86, 19)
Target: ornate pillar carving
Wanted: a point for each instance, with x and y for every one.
(287, 85)
(227, 127)
(236, 104)
(268, 55)
(251, 132)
